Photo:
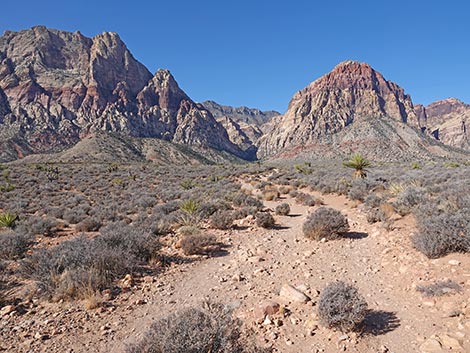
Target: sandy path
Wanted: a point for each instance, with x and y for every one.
(380, 263)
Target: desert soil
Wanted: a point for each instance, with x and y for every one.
(381, 263)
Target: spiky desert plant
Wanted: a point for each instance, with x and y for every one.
(359, 164)
(190, 206)
(7, 220)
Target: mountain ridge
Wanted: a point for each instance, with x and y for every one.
(58, 87)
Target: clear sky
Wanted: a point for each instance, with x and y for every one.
(259, 53)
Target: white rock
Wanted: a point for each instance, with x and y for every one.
(292, 294)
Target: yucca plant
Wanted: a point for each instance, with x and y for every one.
(359, 164)
(190, 215)
(7, 220)
(190, 207)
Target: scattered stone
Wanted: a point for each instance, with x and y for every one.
(267, 307)
(273, 335)
(148, 279)
(431, 345)
(127, 281)
(292, 294)
(267, 321)
(41, 337)
(454, 262)
(7, 310)
(450, 342)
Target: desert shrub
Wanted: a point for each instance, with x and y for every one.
(305, 199)
(74, 216)
(222, 220)
(442, 234)
(56, 212)
(373, 200)
(80, 265)
(207, 209)
(162, 225)
(283, 209)
(408, 199)
(210, 328)
(439, 288)
(293, 193)
(189, 230)
(374, 215)
(244, 211)
(89, 224)
(341, 307)
(242, 200)
(358, 190)
(139, 244)
(76, 265)
(198, 244)
(285, 189)
(14, 244)
(325, 223)
(264, 219)
(270, 193)
(38, 226)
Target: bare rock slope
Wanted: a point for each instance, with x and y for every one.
(57, 86)
(448, 121)
(351, 109)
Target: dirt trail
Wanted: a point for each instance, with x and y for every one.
(380, 263)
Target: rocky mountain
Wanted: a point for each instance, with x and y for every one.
(351, 109)
(448, 121)
(57, 87)
(244, 125)
(240, 115)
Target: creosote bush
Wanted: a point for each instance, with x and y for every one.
(325, 223)
(283, 209)
(80, 265)
(198, 244)
(264, 219)
(197, 330)
(14, 244)
(305, 199)
(341, 307)
(442, 234)
(222, 219)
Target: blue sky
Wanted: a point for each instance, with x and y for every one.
(259, 53)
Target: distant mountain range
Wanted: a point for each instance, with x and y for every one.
(60, 89)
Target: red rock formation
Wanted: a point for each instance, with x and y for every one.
(448, 121)
(62, 85)
(352, 108)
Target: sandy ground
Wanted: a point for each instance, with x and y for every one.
(381, 263)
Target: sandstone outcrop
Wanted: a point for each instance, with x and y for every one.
(57, 87)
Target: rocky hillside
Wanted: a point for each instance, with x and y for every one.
(240, 115)
(56, 87)
(448, 120)
(244, 125)
(351, 109)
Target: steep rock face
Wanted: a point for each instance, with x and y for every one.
(4, 105)
(60, 86)
(351, 92)
(244, 137)
(448, 121)
(240, 115)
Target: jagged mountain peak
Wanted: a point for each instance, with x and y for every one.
(61, 86)
(350, 94)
